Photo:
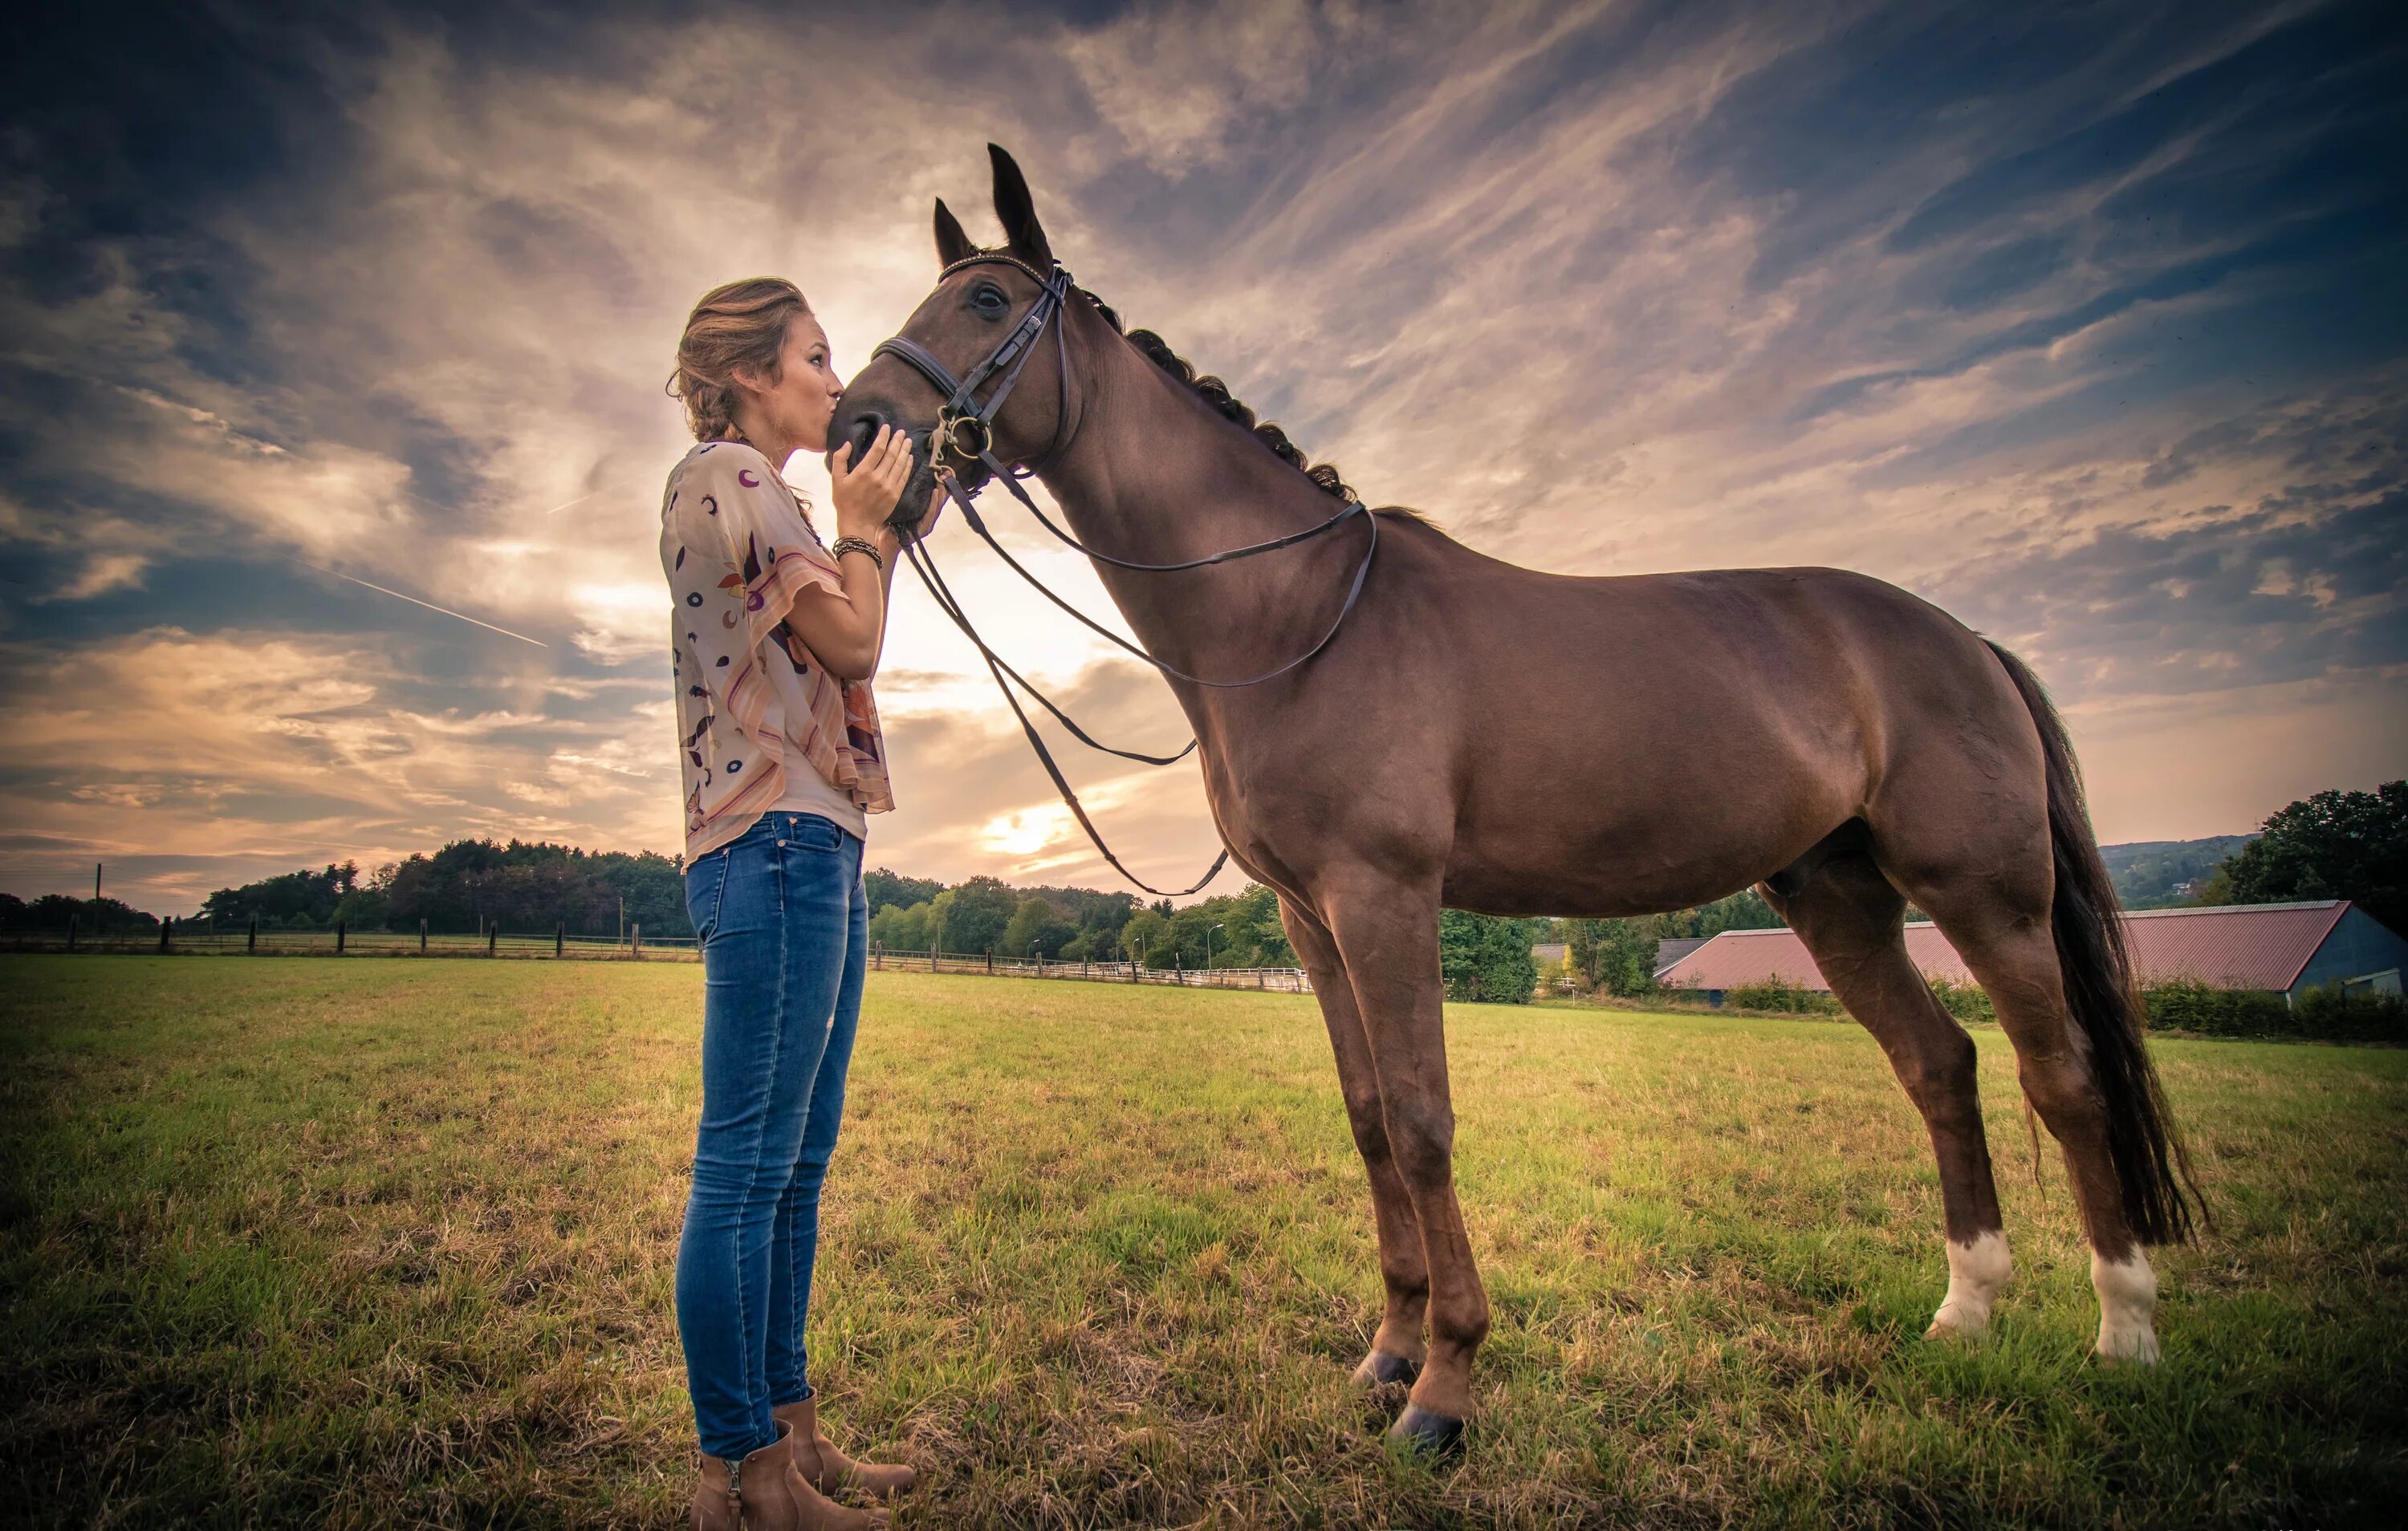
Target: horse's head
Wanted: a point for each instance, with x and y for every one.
(965, 331)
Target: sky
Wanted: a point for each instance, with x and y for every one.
(2087, 324)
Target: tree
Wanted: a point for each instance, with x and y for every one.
(912, 929)
(1483, 957)
(1147, 939)
(1098, 916)
(1742, 911)
(1251, 935)
(292, 898)
(882, 887)
(2350, 845)
(1615, 956)
(1035, 929)
(365, 909)
(974, 914)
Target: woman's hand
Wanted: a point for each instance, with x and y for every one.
(866, 492)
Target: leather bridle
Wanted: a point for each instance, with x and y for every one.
(965, 428)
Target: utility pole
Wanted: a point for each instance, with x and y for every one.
(96, 882)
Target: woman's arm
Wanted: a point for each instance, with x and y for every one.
(845, 632)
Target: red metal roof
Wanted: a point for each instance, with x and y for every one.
(2240, 946)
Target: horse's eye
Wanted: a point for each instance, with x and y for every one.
(988, 300)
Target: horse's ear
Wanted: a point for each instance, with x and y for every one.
(1018, 210)
(952, 243)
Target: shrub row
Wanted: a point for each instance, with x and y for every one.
(2325, 1013)
(2185, 1006)
(2322, 1014)
(1780, 998)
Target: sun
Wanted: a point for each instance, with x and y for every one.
(1025, 831)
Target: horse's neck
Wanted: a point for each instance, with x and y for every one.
(1156, 475)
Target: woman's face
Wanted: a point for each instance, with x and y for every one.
(799, 405)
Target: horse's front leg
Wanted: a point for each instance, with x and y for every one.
(1398, 1349)
(1387, 933)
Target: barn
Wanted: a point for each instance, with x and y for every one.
(2285, 949)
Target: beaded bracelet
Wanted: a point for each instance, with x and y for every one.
(844, 545)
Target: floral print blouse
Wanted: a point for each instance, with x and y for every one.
(738, 553)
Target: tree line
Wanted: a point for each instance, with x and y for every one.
(1078, 924)
(527, 887)
(2335, 844)
(55, 912)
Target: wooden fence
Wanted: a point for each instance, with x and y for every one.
(206, 939)
(202, 937)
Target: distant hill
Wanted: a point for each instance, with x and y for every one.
(2161, 874)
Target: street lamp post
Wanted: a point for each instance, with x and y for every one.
(1208, 945)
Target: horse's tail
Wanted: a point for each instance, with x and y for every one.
(2160, 1199)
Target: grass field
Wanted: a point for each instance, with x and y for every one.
(292, 1242)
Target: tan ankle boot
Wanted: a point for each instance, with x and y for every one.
(753, 1494)
(764, 1492)
(830, 1470)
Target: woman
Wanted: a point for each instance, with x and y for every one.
(774, 637)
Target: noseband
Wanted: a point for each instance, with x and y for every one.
(965, 428)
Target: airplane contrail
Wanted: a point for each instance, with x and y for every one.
(579, 500)
(429, 605)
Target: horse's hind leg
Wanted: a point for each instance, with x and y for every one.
(2015, 960)
(1984, 827)
(1398, 1349)
(1852, 923)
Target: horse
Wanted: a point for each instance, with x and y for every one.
(1835, 741)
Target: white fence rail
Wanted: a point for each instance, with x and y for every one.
(1277, 980)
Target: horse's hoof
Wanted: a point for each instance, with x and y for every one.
(1380, 1369)
(1958, 1322)
(1424, 1434)
(2134, 1346)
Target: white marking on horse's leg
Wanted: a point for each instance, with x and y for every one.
(2127, 1307)
(1977, 1273)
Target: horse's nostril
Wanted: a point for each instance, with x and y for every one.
(864, 433)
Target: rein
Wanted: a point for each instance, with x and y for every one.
(965, 427)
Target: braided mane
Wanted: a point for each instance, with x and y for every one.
(1216, 393)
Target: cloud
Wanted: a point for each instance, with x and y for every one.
(2072, 322)
(220, 746)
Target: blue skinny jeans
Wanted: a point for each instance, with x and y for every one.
(784, 935)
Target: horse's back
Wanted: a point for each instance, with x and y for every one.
(1654, 740)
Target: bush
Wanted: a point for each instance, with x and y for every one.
(1965, 1001)
(2351, 1017)
(2181, 1004)
(2185, 1004)
(1783, 998)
